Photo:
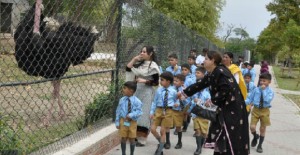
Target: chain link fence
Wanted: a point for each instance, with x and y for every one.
(63, 63)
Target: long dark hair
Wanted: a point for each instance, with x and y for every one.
(150, 51)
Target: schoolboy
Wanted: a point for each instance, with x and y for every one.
(261, 98)
(200, 124)
(191, 62)
(249, 84)
(128, 111)
(244, 68)
(161, 109)
(251, 71)
(189, 80)
(174, 68)
(178, 114)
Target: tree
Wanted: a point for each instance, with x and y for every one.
(201, 16)
(272, 39)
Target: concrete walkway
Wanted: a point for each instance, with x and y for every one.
(282, 137)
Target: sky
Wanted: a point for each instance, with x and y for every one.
(250, 14)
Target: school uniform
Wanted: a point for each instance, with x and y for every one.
(189, 80)
(132, 107)
(193, 69)
(174, 72)
(178, 113)
(253, 74)
(199, 122)
(261, 100)
(162, 105)
(250, 87)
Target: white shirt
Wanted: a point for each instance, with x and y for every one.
(200, 59)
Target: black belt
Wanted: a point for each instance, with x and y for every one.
(165, 107)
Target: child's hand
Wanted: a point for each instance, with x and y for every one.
(263, 87)
(175, 68)
(195, 100)
(179, 95)
(128, 117)
(151, 116)
(118, 127)
(176, 105)
(208, 103)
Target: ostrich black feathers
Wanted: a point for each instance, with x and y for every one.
(50, 53)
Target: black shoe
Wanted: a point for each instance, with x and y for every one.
(167, 145)
(178, 146)
(175, 132)
(138, 144)
(197, 152)
(254, 140)
(156, 152)
(259, 149)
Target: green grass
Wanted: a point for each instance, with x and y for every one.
(34, 140)
(294, 98)
(285, 82)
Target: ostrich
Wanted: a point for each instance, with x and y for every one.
(43, 52)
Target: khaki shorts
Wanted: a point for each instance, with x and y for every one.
(163, 120)
(128, 132)
(262, 115)
(178, 118)
(201, 124)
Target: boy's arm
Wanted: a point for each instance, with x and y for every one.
(268, 95)
(249, 98)
(253, 75)
(136, 111)
(117, 121)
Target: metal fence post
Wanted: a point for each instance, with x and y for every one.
(119, 49)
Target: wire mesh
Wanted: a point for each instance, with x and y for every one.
(61, 70)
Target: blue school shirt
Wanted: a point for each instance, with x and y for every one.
(161, 69)
(250, 87)
(122, 109)
(184, 102)
(171, 69)
(204, 95)
(189, 80)
(244, 71)
(254, 97)
(158, 100)
(193, 69)
(253, 74)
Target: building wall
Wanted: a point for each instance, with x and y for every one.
(19, 6)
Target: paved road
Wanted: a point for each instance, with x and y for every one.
(282, 137)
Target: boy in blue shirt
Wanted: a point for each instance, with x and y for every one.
(251, 71)
(200, 124)
(191, 62)
(249, 84)
(128, 111)
(189, 80)
(161, 109)
(178, 114)
(261, 98)
(173, 68)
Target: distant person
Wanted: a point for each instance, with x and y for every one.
(174, 68)
(200, 58)
(251, 71)
(192, 63)
(128, 111)
(193, 52)
(261, 98)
